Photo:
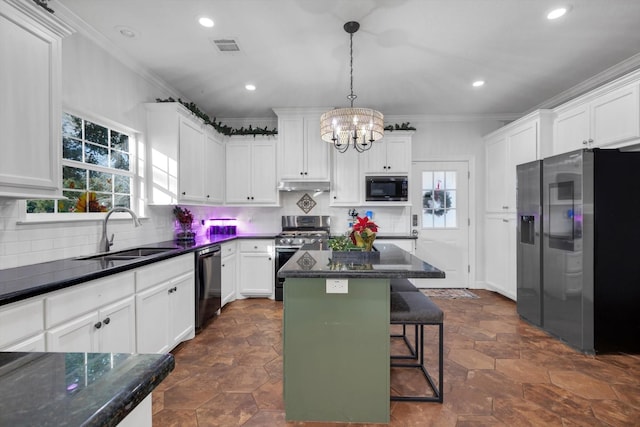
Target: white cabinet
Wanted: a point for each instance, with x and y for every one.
(184, 157)
(22, 325)
(251, 171)
(30, 84)
(165, 304)
(214, 168)
(191, 161)
(98, 316)
(256, 268)
(610, 117)
(500, 253)
(229, 271)
(302, 154)
(508, 147)
(346, 180)
(389, 156)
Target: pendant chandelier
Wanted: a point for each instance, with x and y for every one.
(358, 127)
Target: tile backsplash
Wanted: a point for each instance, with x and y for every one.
(28, 243)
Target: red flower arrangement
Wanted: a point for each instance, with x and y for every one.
(363, 233)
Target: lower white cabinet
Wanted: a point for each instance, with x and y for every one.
(229, 272)
(22, 326)
(165, 304)
(256, 268)
(500, 253)
(108, 330)
(97, 316)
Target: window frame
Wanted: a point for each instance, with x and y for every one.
(135, 161)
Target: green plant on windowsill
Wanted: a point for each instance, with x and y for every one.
(342, 243)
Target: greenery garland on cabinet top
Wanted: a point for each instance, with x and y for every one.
(223, 129)
(229, 131)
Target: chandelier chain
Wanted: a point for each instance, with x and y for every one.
(351, 97)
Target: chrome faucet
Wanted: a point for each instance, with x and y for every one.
(105, 243)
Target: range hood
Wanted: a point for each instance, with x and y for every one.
(315, 186)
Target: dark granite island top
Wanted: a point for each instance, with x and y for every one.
(316, 261)
(76, 389)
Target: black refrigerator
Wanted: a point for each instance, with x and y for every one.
(590, 263)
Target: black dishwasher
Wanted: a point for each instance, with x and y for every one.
(208, 284)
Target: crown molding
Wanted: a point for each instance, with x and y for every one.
(607, 76)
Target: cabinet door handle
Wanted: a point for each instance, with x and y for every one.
(584, 142)
(106, 321)
(207, 196)
(223, 265)
(301, 173)
(184, 193)
(505, 207)
(172, 290)
(269, 258)
(248, 198)
(251, 197)
(505, 220)
(306, 173)
(98, 325)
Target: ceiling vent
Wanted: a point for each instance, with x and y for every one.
(227, 45)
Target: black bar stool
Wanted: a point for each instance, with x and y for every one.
(404, 285)
(415, 308)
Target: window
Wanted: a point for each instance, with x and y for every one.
(97, 168)
(439, 199)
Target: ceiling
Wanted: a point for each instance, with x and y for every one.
(411, 57)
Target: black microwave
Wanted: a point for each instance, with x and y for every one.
(387, 189)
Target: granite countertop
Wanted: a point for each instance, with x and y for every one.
(72, 389)
(315, 261)
(36, 279)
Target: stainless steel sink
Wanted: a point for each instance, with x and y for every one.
(127, 254)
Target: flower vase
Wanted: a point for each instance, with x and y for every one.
(185, 234)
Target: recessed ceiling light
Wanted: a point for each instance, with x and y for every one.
(557, 13)
(126, 32)
(205, 21)
(250, 87)
(478, 83)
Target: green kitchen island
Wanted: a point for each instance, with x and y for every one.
(336, 333)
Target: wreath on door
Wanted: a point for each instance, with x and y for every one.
(436, 201)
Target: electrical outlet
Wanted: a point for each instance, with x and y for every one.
(337, 286)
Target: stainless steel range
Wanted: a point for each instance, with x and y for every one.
(296, 232)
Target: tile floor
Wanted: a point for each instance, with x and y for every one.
(499, 371)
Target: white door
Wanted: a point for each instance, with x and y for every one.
(440, 214)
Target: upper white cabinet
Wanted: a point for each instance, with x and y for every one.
(346, 180)
(30, 84)
(302, 154)
(214, 167)
(184, 157)
(251, 171)
(517, 143)
(608, 117)
(389, 156)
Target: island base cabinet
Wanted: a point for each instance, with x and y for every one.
(336, 351)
